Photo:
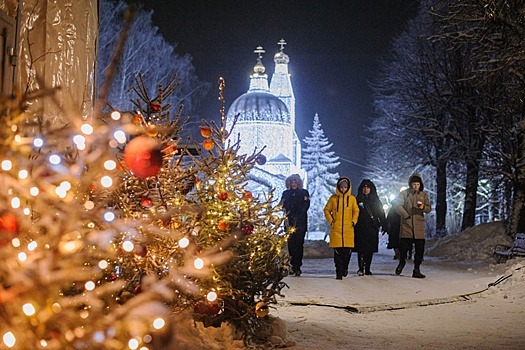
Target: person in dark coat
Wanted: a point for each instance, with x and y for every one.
(296, 201)
(371, 218)
(393, 221)
(413, 204)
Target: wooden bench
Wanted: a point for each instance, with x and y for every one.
(503, 253)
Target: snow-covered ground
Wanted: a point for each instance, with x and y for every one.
(466, 302)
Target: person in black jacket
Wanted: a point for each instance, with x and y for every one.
(371, 218)
(393, 222)
(296, 201)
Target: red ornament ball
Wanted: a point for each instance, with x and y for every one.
(143, 156)
(247, 228)
(247, 195)
(146, 202)
(8, 227)
(223, 196)
(155, 106)
(140, 250)
(206, 308)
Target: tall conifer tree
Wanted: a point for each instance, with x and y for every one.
(318, 161)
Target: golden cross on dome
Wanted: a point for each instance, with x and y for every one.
(282, 43)
(259, 50)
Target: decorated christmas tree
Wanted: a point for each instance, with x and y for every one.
(115, 231)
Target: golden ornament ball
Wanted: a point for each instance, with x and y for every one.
(261, 309)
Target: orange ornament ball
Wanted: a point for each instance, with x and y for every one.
(143, 156)
(205, 131)
(137, 119)
(208, 144)
(223, 226)
(8, 227)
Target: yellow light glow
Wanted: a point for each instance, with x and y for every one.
(56, 308)
(89, 205)
(103, 264)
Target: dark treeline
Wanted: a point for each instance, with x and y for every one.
(450, 102)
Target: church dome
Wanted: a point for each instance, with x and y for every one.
(259, 106)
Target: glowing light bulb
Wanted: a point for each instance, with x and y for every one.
(7, 165)
(103, 264)
(109, 216)
(106, 181)
(87, 129)
(23, 174)
(9, 339)
(128, 246)
(38, 142)
(120, 136)
(212, 296)
(110, 165)
(28, 309)
(90, 285)
(184, 242)
(54, 159)
(158, 323)
(115, 115)
(198, 263)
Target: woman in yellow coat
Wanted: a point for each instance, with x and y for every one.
(341, 212)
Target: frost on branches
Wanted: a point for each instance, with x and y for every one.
(114, 233)
(318, 160)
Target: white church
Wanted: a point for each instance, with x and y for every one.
(266, 118)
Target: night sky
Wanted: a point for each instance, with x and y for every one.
(334, 49)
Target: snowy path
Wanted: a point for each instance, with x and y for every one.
(384, 290)
(453, 308)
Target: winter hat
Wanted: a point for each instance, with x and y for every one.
(415, 178)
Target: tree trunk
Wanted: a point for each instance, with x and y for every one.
(441, 197)
(517, 214)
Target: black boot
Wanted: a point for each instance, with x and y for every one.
(417, 274)
(400, 267)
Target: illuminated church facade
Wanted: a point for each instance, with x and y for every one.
(266, 118)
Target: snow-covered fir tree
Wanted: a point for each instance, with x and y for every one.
(317, 161)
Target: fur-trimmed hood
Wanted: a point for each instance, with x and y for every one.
(292, 177)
